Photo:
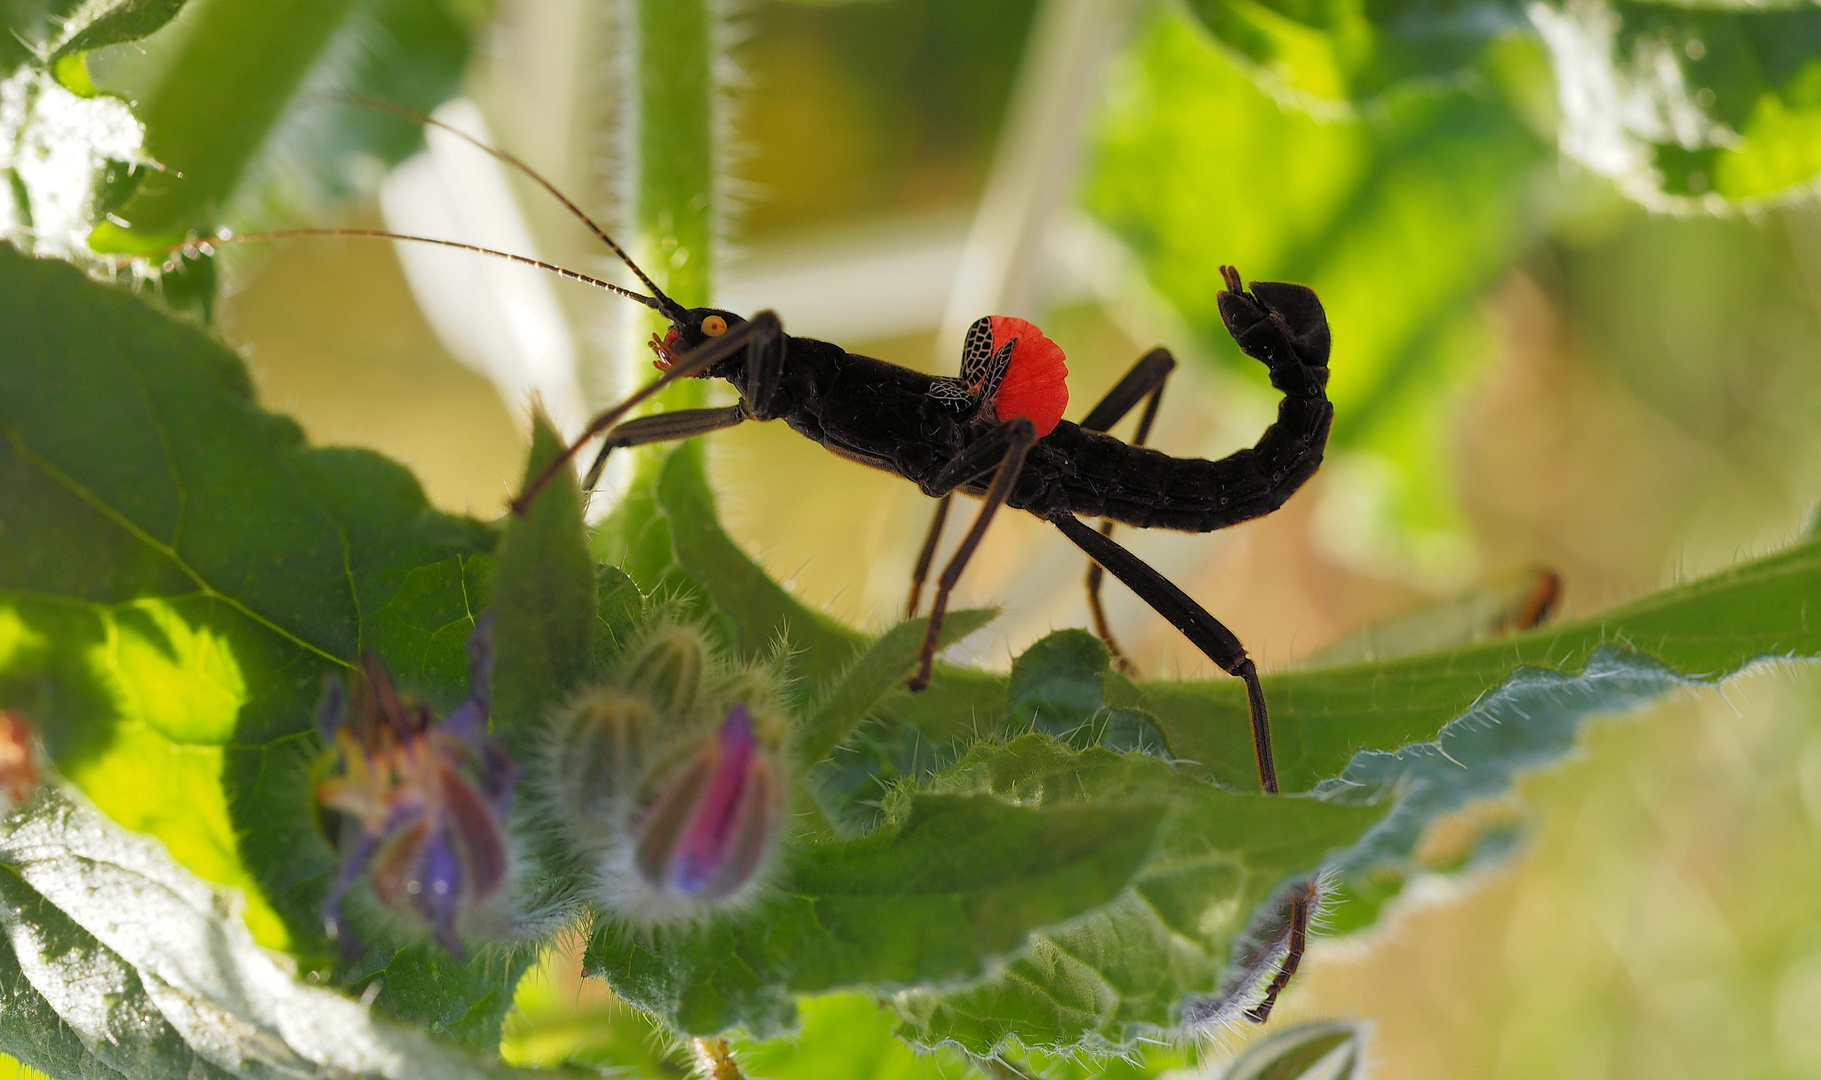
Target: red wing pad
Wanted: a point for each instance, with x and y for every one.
(1035, 383)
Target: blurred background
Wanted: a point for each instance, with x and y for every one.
(1562, 341)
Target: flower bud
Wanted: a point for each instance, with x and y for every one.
(670, 668)
(423, 802)
(667, 783)
(709, 828)
(596, 753)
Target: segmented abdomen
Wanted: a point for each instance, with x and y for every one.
(1093, 475)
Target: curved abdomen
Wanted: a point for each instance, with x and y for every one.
(1094, 475)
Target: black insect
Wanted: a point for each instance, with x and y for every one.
(996, 433)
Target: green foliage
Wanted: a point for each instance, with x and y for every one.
(1052, 862)
(29, 27)
(1065, 865)
(1352, 50)
(1329, 1050)
(546, 603)
(117, 962)
(224, 95)
(1693, 105)
(177, 590)
(1702, 106)
(951, 885)
(110, 22)
(1155, 957)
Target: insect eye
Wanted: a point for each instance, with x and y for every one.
(714, 326)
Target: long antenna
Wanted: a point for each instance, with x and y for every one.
(380, 234)
(668, 307)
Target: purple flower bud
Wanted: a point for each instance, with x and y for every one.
(710, 827)
(424, 802)
(667, 782)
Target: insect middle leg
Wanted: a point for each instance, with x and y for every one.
(1203, 630)
(927, 555)
(1145, 383)
(1003, 447)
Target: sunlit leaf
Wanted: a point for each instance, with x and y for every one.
(119, 962)
(1689, 107)
(182, 571)
(240, 104)
(1341, 50)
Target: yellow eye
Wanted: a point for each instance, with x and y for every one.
(714, 326)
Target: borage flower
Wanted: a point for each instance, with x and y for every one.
(423, 802)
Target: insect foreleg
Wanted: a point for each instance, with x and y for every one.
(693, 363)
(1007, 444)
(1144, 382)
(663, 427)
(1203, 630)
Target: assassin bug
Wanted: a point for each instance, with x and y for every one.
(995, 432)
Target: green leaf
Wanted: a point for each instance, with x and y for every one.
(221, 88)
(118, 962)
(546, 602)
(953, 883)
(849, 1036)
(1704, 630)
(550, 1027)
(109, 22)
(27, 27)
(877, 672)
(1353, 50)
(237, 101)
(179, 571)
(1325, 1050)
(1058, 688)
(1157, 957)
(1690, 107)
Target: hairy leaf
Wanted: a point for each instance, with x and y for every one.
(1174, 949)
(546, 602)
(109, 22)
(27, 27)
(118, 962)
(955, 882)
(179, 572)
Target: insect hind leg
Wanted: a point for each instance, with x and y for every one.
(1203, 630)
(1144, 382)
(1301, 903)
